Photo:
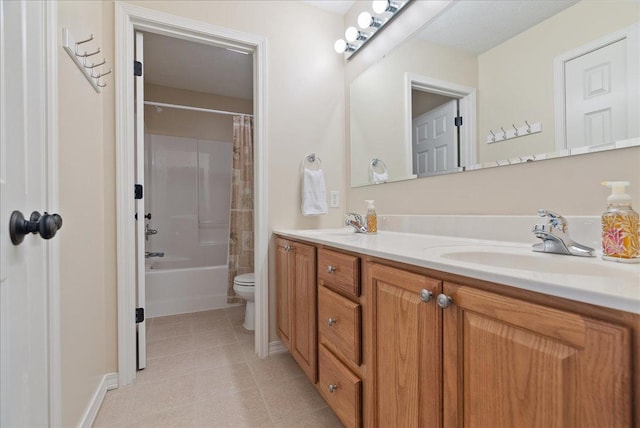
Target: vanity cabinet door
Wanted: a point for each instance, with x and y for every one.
(283, 302)
(297, 303)
(403, 332)
(511, 363)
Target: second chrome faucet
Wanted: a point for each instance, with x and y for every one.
(356, 221)
(555, 238)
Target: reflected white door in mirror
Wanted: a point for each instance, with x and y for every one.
(597, 92)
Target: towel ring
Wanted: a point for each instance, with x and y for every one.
(375, 162)
(312, 158)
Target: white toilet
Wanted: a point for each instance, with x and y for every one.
(244, 286)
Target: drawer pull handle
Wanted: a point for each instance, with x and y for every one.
(288, 248)
(331, 269)
(332, 321)
(444, 301)
(426, 295)
(332, 388)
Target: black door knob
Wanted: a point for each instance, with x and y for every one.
(47, 225)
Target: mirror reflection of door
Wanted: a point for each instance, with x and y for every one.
(435, 144)
(596, 96)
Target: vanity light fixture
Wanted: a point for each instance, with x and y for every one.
(382, 6)
(353, 34)
(386, 10)
(365, 20)
(341, 46)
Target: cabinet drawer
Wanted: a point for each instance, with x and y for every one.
(340, 388)
(339, 321)
(339, 271)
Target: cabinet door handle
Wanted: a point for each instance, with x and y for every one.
(332, 388)
(444, 301)
(426, 295)
(331, 269)
(287, 248)
(331, 321)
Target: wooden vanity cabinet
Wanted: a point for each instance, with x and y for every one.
(473, 358)
(511, 363)
(411, 347)
(403, 336)
(297, 303)
(341, 375)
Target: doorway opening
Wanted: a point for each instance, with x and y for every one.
(178, 94)
(440, 134)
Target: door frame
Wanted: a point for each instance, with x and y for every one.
(129, 18)
(559, 63)
(467, 105)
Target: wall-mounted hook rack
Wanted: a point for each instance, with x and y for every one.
(79, 54)
(513, 131)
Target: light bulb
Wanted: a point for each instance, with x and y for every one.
(364, 20)
(340, 46)
(380, 6)
(351, 34)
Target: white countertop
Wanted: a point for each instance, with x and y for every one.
(584, 279)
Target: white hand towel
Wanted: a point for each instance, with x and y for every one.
(314, 193)
(378, 178)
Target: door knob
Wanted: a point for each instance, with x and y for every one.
(47, 225)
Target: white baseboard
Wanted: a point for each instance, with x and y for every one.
(109, 381)
(277, 347)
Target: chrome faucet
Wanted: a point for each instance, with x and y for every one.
(356, 222)
(148, 232)
(555, 238)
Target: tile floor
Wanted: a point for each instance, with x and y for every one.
(202, 372)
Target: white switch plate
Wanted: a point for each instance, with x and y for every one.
(334, 198)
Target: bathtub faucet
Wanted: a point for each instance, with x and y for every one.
(148, 255)
(148, 232)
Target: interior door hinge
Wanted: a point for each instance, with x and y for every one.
(139, 315)
(457, 121)
(137, 68)
(138, 191)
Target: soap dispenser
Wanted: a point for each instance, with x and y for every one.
(620, 226)
(372, 217)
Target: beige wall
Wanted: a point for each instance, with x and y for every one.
(305, 113)
(516, 77)
(87, 239)
(188, 123)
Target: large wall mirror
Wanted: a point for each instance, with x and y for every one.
(492, 83)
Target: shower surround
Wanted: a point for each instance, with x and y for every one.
(188, 193)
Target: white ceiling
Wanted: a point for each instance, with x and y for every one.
(197, 67)
(336, 6)
(477, 26)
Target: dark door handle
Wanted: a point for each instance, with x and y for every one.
(147, 216)
(47, 225)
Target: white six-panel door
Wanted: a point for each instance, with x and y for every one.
(25, 287)
(435, 140)
(596, 96)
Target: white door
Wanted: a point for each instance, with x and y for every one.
(25, 285)
(596, 96)
(435, 140)
(141, 336)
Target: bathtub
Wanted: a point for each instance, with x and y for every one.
(172, 289)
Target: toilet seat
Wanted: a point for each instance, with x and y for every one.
(247, 279)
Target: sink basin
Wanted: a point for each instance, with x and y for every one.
(520, 259)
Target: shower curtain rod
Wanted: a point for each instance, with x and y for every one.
(206, 110)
